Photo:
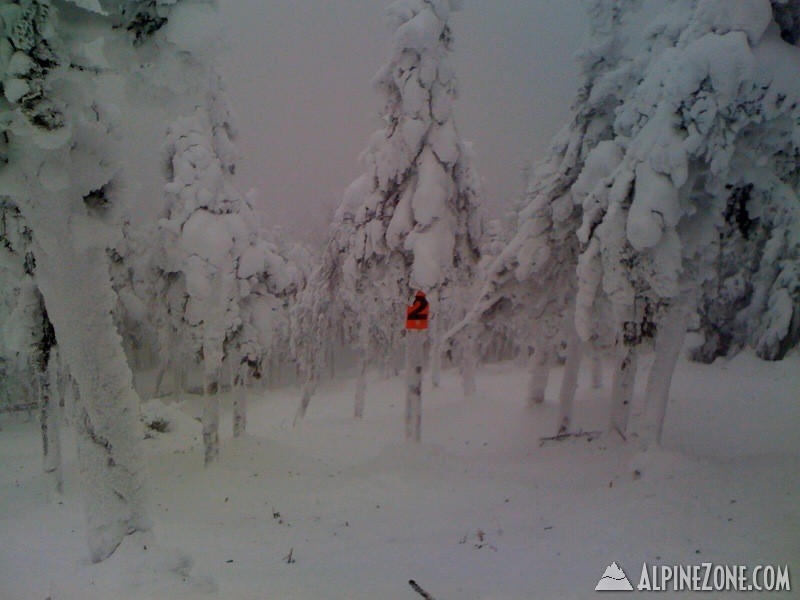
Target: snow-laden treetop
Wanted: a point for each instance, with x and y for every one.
(417, 197)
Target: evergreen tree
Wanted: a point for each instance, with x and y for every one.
(220, 291)
(658, 202)
(531, 285)
(692, 187)
(59, 163)
(410, 222)
(28, 340)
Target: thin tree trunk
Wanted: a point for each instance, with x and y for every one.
(309, 387)
(469, 363)
(669, 341)
(179, 375)
(597, 371)
(50, 420)
(331, 359)
(622, 384)
(239, 390)
(415, 356)
(211, 418)
(159, 380)
(569, 383)
(539, 366)
(436, 364)
(361, 385)
(435, 336)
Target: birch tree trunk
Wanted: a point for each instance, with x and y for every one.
(569, 383)
(415, 357)
(622, 383)
(669, 341)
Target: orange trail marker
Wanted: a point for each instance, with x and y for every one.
(417, 313)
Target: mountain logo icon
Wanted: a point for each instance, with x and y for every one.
(613, 580)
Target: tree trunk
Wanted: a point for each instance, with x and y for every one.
(469, 363)
(331, 359)
(211, 418)
(539, 365)
(415, 356)
(50, 420)
(361, 385)
(179, 376)
(597, 371)
(622, 384)
(672, 332)
(569, 383)
(309, 387)
(239, 391)
(73, 278)
(435, 336)
(162, 369)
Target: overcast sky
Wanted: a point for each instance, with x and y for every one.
(299, 72)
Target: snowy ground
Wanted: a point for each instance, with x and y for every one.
(481, 510)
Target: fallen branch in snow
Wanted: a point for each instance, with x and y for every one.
(289, 558)
(419, 590)
(563, 435)
(622, 435)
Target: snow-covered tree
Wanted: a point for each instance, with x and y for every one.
(220, 290)
(128, 271)
(58, 167)
(410, 221)
(659, 199)
(706, 169)
(200, 239)
(530, 286)
(15, 384)
(27, 339)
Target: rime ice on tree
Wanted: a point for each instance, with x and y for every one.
(59, 167)
(410, 221)
(221, 290)
(673, 192)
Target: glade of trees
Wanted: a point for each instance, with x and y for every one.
(668, 202)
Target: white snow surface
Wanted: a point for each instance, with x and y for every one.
(479, 511)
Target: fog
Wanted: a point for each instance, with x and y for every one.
(299, 71)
